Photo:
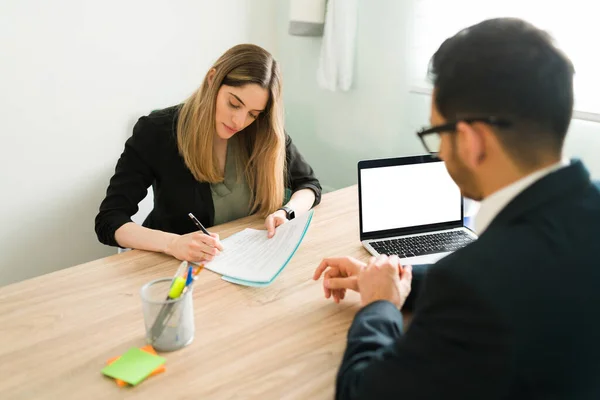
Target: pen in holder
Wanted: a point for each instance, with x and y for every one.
(169, 321)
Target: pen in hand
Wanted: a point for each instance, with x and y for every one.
(198, 224)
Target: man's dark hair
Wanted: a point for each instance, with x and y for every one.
(507, 68)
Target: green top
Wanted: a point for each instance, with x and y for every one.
(231, 198)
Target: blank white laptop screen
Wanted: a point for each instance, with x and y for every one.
(403, 196)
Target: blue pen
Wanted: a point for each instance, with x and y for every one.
(190, 277)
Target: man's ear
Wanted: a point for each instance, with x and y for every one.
(471, 143)
(211, 75)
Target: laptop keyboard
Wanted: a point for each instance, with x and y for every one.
(421, 245)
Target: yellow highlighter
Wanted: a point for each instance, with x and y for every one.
(176, 287)
(179, 274)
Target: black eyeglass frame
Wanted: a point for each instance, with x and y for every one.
(451, 127)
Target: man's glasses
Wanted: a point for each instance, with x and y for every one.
(432, 139)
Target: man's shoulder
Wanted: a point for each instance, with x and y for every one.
(493, 247)
(509, 263)
(497, 259)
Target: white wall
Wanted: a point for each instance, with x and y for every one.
(75, 76)
(379, 116)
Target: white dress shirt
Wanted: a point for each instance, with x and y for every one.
(494, 203)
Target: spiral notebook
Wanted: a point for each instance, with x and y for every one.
(249, 258)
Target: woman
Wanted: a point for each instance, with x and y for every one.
(221, 155)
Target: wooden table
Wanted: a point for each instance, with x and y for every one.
(284, 341)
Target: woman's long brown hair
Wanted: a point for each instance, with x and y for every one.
(261, 145)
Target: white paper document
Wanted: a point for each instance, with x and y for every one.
(250, 258)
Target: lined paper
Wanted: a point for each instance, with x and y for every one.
(250, 256)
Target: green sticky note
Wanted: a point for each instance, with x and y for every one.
(134, 366)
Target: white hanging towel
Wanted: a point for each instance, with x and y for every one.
(307, 17)
(336, 64)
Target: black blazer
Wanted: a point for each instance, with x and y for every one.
(151, 157)
(515, 315)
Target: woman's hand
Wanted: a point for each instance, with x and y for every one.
(274, 220)
(195, 247)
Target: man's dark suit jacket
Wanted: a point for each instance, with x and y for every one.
(515, 315)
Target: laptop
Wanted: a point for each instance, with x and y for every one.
(410, 207)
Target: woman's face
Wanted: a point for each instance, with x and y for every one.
(238, 107)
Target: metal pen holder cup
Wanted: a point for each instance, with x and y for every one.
(169, 323)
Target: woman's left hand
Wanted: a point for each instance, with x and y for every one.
(279, 217)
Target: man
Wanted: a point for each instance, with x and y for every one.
(516, 314)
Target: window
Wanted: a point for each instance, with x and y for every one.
(572, 23)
